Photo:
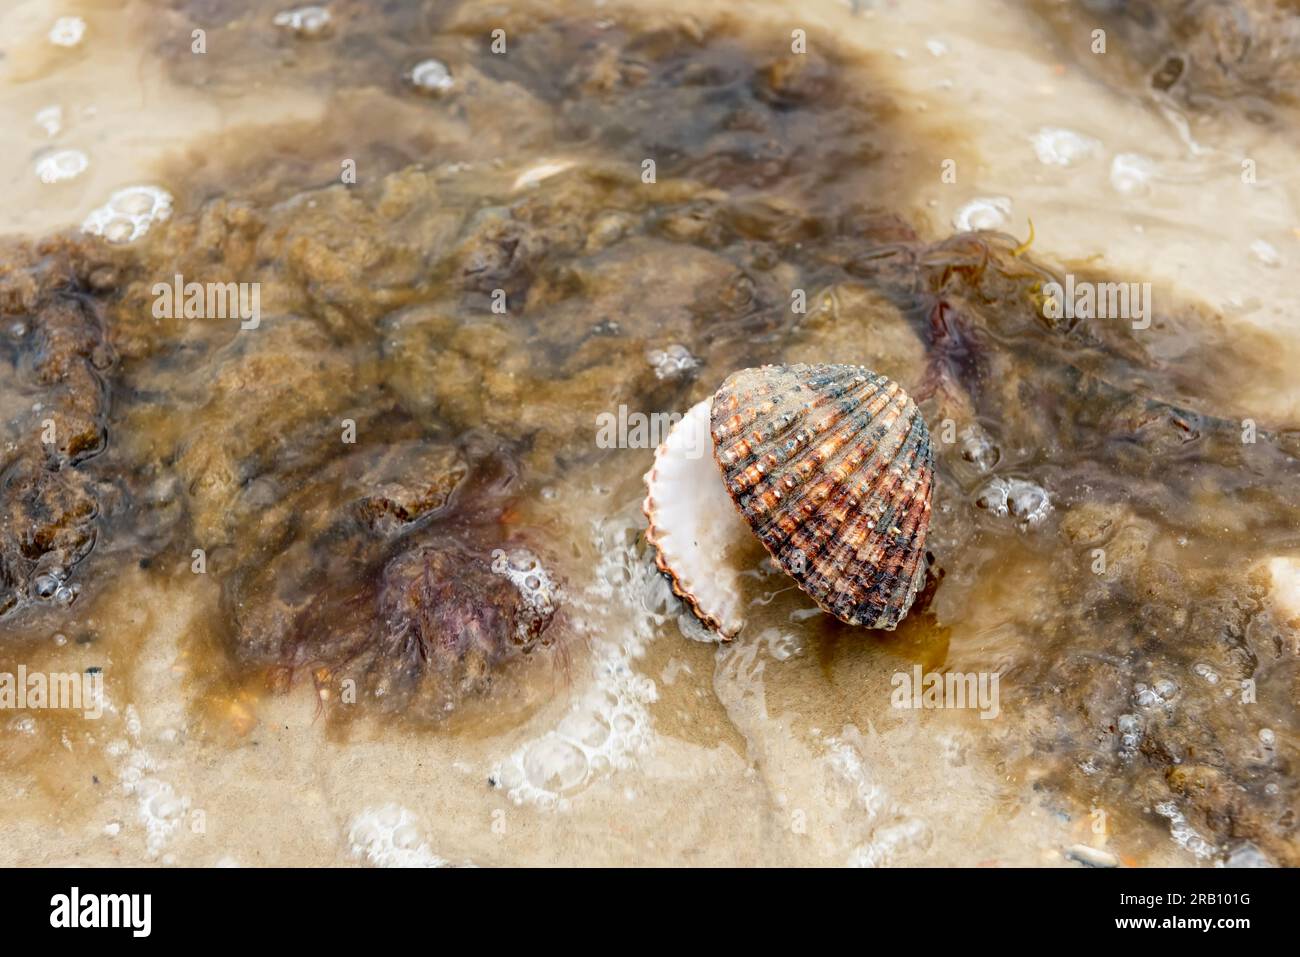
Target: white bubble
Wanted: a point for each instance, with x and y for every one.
(50, 119)
(23, 724)
(1061, 147)
(540, 594)
(936, 47)
(609, 726)
(312, 21)
(555, 765)
(910, 834)
(1129, 723)
(978, 448)
(984, 212)
(1130, 730)
(390, 837)
(672, 362)
(67, 31)
(1184, 835)
(1028, 502)
(407, 837)
(61, 165)
(1146, 697)
(432, 76)
(129, 214)
(587, 728)
(1166, 688)
(1266, 253)
(1131, 173)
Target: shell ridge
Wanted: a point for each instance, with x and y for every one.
(832, 469)
(800, 458)
(872, 467)
(864, 600)
(795, 422)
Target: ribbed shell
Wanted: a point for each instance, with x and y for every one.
(832, 468)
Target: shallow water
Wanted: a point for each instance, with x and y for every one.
(264, 533)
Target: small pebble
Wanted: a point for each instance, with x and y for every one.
(1091, 856)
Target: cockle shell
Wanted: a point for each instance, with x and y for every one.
(829, 466)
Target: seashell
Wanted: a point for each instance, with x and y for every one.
(828, 466)
(693, 525)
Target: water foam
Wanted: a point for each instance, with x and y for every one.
(390, 836)
(129, 214)
(608, 727)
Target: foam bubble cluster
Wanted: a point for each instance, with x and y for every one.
(1028, 502)
(673, 362)
(390, 836)
(61, 165)
(609, 726)
(52, 585)
(1130, 734)
(911, 834)
(541, 596)
(309, 22)
(1162, 692)
(129, 214)
(604, 730)
(160, 809)
(1184, 835)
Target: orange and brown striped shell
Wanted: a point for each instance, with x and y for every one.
(832, 468)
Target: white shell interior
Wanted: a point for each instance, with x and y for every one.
(694, 524)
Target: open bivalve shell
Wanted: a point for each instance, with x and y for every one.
(829, 466)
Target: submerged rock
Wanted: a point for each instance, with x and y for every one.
(54, 356)
(1150, 581)
(1202, 52)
